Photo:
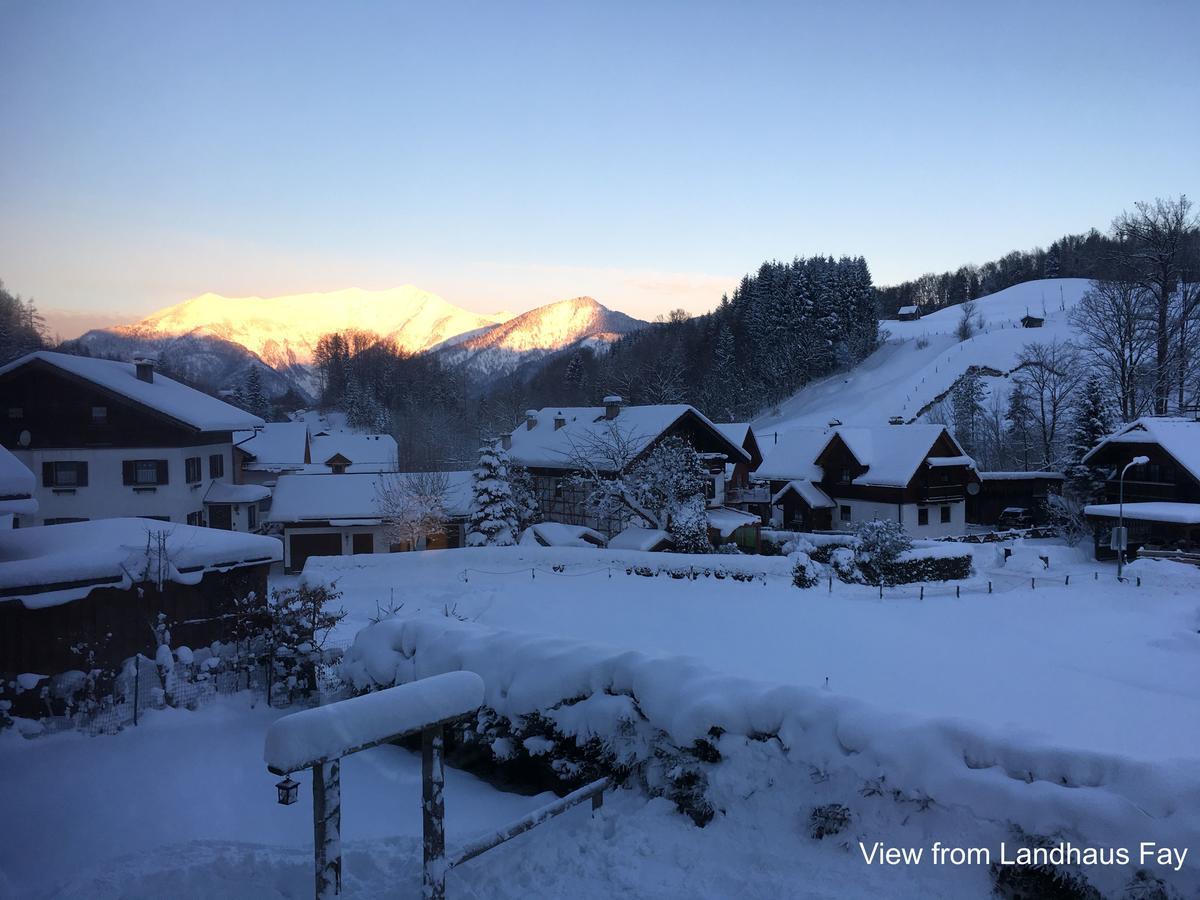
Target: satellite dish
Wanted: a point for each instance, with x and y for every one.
(25, 438)
(973, 488)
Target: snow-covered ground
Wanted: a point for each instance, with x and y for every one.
(901, 378)
(1049, 663)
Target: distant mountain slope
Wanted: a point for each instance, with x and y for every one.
(538, 333)
(207, 362)
(902, 378)
(284, 331)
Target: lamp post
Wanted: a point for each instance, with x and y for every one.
(1136, 461)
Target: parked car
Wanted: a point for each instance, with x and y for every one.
(1015, 517)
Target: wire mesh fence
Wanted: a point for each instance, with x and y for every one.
(143, 685)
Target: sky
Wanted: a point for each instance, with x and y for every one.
(505, 155)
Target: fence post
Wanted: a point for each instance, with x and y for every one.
(1033, 583)
(831, 584)
(137, 677)
(881, 591)
(957, 591)
(327, 828)
(433, 810)
(1068, 579)
(1139, 581)
(922, 597)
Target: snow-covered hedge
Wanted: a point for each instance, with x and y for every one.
(675, 723)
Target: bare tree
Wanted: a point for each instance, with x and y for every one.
(1049, 374)
(1118, 338)
(1158, 246)
(413, 505)
(966, 321)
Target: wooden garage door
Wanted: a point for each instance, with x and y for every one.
(305, 545)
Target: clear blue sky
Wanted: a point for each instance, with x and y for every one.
(505, 155)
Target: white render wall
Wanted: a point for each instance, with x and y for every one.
(107, 497)
(906, 513)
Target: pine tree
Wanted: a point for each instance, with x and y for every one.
(1020, 419)
(494, 516)
(968, 397)
(525, 500)
(254, 399)
(1091, 423)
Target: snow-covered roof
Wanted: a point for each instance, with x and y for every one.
(726, 521)
(906, 310)
(185, 405)
(358, 448)
(224, 492)
(1174, 513)
(557, 534)
(1019, 476)
(584, 426)
(353, 497)
(950, 461)
(735, 431)
(17, 485)
(794, 454)
(636, 537)
(1178, 437)
(276, 444)
(894, 453)
(809, 493)
(54, 564)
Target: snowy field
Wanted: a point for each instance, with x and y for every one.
(1047, 664)
(902, 377)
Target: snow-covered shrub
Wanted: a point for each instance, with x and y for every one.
(1065, 513)
(880, 541)
(689, 527)
(844, 565)
(827, 820)
(804, 571)
(925, 564)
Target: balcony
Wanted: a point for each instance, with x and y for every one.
(748, 495)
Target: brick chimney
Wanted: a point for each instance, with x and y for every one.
(612, 406)
(530, 419)
(559, 420)
(143, 365)
(506, 441)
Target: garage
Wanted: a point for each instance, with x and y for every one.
(302, 546)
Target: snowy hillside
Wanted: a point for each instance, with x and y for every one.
(538, 333)
(921, 360)
(284, 330)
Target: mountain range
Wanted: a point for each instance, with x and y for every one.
(212, 340)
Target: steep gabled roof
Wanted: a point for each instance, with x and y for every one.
(544, 446)
(893, 454)
(1178, 437)
(355, 447)
(794, 454)
(187, 406)
(275, 445)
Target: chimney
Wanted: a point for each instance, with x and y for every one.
(559, 420)
(834, 423)
(612, 406)
(143, 364)
(530, 419)
(506, 441)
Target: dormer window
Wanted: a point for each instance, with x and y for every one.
(845, 477)
(99, 415)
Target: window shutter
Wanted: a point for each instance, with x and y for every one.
(162, 471)
(81, 474)
(128, 471)
(47, 474)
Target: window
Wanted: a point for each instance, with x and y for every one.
(945, 515)
(99, 415)
(251, 516)
(845, 477)
(16, 412)
(63, 520)
(191, 469)
(923, 515)
(844, 513)
(216, 466)
(144, 472)
(195, 518)
(61, 474)
(339, 468)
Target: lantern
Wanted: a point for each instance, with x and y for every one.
(288, 790)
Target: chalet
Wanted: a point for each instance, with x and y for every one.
(115, 439)
(1000, 491)
(555, 444)
(908, 314)
(17, 485)
(288, 448)
(834, 478)
(1161, 497)
(102, 584)
(1028, 321)
(341, 515)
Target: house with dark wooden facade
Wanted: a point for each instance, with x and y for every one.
(101, 585)
(1162, 497)
(556, 444)
(1011, 491)
(116, 439)
(838, 477)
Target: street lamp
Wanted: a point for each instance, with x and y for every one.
(288, 789)
(1121, 536)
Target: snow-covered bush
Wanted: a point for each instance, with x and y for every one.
(804, 571)
(689, 527)
(827, 820)
(880, 541)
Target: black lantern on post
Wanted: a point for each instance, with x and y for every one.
(288, 790)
